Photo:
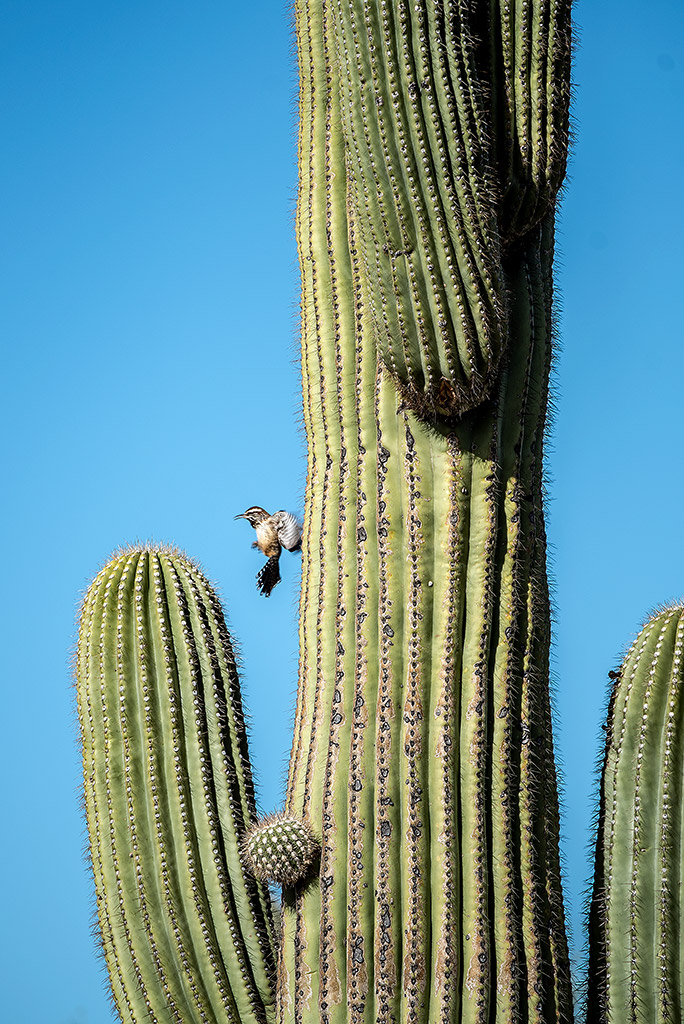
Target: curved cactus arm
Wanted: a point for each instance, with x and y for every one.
(187, 934)
(455, 124)
(420, 180)
(636, 923)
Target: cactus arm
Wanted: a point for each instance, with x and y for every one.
(445, 182)
(528, 62)
(187, 936)
(635, 969)
(436, 285)
(280, 849)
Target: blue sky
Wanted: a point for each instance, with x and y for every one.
(149, 273)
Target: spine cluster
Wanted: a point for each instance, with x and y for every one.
(636, 919)
(187, 934)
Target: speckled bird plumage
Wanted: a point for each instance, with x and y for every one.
(273, 533)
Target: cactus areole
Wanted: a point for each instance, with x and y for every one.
(432, 144)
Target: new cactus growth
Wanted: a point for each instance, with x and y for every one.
(187, 934)
(637, 916)
(432, 145)
(280, 849)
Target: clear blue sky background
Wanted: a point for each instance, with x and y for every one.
(149, 274)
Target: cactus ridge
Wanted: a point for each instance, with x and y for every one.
(280, 848)
(168, 793)
(635, 919)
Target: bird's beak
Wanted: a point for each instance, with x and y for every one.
(241, 516)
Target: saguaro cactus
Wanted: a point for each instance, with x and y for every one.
(636, 917)
(432, 146)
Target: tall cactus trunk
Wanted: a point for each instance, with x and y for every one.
(422, 749)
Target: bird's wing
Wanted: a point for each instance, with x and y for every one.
(289, 530)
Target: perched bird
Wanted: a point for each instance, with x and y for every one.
(273, 533)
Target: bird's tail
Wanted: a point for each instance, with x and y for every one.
(269, 575)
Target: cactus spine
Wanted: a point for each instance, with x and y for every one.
(636, 922)
(432, 143)
(186, 934)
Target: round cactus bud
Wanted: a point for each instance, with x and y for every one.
(280, 848)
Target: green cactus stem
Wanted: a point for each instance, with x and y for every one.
(280, 849)
(423, 750)
(187, 934)
(441, 183)
(637, 916)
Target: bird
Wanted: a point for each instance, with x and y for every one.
(273, 533)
